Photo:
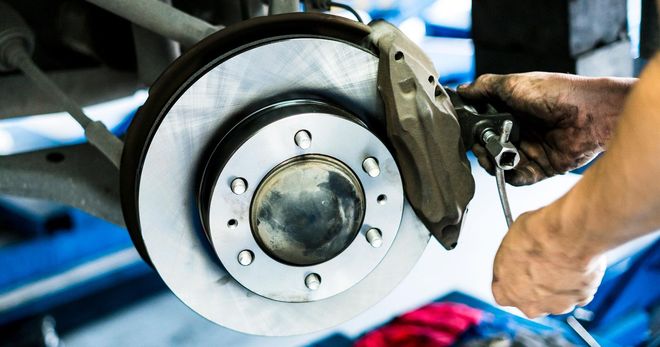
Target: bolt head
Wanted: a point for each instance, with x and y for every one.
(238, 186)
(374, 237)
(370, 166)
(303, 139)
(313, 281)
(245, 257)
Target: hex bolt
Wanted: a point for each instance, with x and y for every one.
(313, 281)
(370, 166)
(303, 139)
(238, 186)
(374, 237)
(245, 257)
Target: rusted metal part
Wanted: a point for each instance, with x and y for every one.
(426, 137)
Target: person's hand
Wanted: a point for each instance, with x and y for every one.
(565, 120)
(540, 273)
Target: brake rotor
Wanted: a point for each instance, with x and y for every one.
(256, 182)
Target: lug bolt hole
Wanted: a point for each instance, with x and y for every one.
(381, 199)
(232, 224)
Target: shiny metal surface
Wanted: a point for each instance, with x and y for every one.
(238, 186)
(313, 281)
(374, 237)
(370, 166)
(307, 210)
(303, 139)
(167, 208)
(245, 257)
(341, 260)
(499, 172)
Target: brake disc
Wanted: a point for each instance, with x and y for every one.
(256, 180)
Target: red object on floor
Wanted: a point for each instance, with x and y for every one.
(434, 325)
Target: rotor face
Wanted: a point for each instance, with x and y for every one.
(233, 252)
(302, 207)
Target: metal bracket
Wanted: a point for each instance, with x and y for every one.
(78, 176)
(425, 134)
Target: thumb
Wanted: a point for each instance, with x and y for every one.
(483, 89)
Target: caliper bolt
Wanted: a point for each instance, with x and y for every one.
(374, 237)
(245, 257)
(313, 281)
(303, 139)
(238, 186)
(370, 166)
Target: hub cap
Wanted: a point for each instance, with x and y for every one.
(308, 210)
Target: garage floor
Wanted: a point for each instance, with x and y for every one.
(164, 321)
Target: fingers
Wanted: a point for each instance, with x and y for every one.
(483, 89)
(483, 158)
(500, 296)
(526, 174)
(535, 164)
(566, 310)
(535, 152)
(532, 312)
(557, 290)
(585, 301)
(552, 304)
(528, 171)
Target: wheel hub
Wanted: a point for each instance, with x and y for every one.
(303, 208)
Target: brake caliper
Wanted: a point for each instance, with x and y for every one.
(429, 128)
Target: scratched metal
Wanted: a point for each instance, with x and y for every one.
(333, 136)
(168, 216)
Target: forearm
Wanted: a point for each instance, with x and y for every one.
(618, 199)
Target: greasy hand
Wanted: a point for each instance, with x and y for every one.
(536, 273)
(565, 120)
